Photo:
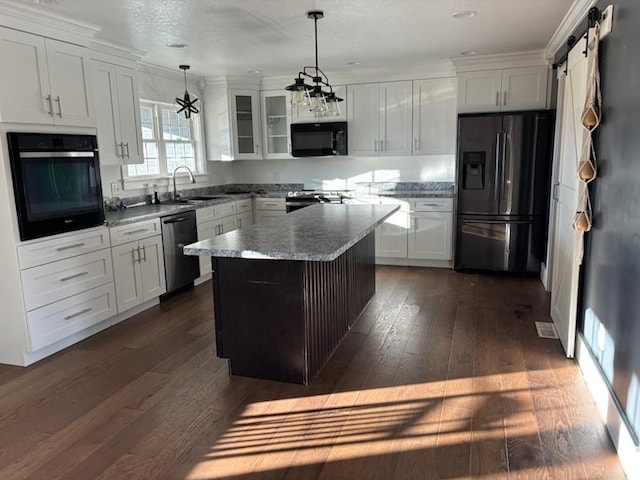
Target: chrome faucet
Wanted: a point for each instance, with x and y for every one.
(176, 195)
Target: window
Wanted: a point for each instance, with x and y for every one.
(168, 141)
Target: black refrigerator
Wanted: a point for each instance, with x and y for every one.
(504, 163)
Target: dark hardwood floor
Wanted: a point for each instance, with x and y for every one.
(443, 376)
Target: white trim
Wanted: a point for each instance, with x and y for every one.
(498, 61)
(30, 19)
(628, 452)
(105, 51)
(577, 13)
(175, 74)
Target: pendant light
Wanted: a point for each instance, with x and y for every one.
(186, 104)
(318, 96)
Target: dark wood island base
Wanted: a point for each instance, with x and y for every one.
(282, 319)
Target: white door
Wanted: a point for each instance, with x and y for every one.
(129, 114)
(434, 116)
(154, 283)
(566, 261)
(106, 105)
(430, 235)
(479, 91)
(363, 114)
(395, 118)
(24, 78)
(126, 274)
(524, 88)
(69, 74)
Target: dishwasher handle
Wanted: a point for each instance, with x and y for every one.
(177, 219)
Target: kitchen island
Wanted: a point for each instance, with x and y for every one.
(287, 290)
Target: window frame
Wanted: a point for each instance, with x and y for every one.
(161, 143)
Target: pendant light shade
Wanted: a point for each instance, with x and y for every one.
(186, 103)
(317, 95)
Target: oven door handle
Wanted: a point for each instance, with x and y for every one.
(57, 154)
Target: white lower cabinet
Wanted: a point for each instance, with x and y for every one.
(67, 289)
(430, 235)
(265, 208)
(138, 269)
(420, 233)
(59, 320)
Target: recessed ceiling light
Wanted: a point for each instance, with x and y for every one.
(469, 53)
(355, 62)
(465, 14)
(177, 45)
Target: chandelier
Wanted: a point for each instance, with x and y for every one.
(185, 104)
(319, 98)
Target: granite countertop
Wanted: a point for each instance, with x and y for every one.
(318, 233)
(148, 212)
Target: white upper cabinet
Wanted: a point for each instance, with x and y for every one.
(117, 113)
(275, 124)
(44, 81)
(434, 116)
(509, 89)
(380, 119)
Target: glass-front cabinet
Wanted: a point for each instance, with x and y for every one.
(246, 128)
(276, 122)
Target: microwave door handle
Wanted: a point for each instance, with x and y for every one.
(334, 143)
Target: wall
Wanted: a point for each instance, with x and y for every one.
(610, 304)
(340, 172)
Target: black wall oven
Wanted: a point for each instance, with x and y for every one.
(56, 183)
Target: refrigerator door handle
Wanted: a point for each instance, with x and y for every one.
(498, 222)
(496, 192)
(503, 165)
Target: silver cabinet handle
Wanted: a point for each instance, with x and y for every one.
(375, 145)
(136, 259)
(77, 314)
(415, 145)
(382, 145)
(125, 145)
(59, 106)
(133, 232)
(50, 112)
(239, 223)
(69, 247)
(497, 99)
(118, 146)
(144, 253)
(505, 98)
(71, 277)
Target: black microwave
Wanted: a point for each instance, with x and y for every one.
(318, 139)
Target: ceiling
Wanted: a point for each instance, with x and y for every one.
(274, 37)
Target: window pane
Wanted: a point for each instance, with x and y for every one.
(174, 126)
(151, 165)
(179, 154)
(146, 119)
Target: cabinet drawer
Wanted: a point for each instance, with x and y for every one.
(270, 204)
(59, 248)
(54, 322)
(432, 205)
(243, 206)
(54, 281)
(215, 211)
(134, 231)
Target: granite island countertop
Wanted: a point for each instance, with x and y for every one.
(318, 233)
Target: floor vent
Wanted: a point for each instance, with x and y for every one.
(546, 330)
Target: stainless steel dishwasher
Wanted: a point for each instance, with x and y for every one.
(177, 231)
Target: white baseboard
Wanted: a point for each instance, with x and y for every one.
(202, 279)
(622, 438)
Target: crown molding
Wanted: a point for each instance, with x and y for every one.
(577, 12)
(500, 60)
(103, 50)
(30, 19)
(167, 72)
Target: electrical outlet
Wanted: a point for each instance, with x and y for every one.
(606, 21)
(116, 188)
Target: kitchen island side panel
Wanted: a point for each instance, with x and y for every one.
(282, 319)
(335, 294)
